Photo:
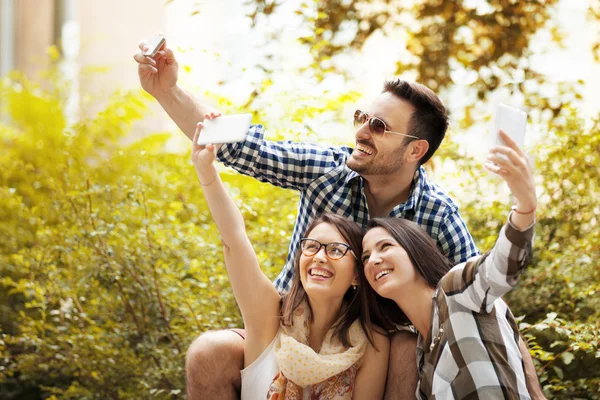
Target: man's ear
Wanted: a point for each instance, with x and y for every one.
(416, 150)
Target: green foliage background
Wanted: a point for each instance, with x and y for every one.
(110, 264)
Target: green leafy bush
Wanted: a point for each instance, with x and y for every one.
(109, 260)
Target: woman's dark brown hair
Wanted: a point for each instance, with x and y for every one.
(355, 302)
(425, 257)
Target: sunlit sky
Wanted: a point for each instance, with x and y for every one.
(218, 44)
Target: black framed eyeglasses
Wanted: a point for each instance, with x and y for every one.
(333, 250)
(376, 125)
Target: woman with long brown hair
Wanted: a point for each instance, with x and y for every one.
(316, 342)
(468, 340)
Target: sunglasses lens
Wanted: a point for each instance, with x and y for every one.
(359, 118)
(377, 126)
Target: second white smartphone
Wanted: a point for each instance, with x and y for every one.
(511, 121)
(225, 129)
(154, 45)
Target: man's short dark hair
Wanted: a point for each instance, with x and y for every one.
(430, 118)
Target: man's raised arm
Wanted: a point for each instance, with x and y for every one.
(158, 77)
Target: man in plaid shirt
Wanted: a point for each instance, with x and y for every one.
(382, 176)
(328, 181)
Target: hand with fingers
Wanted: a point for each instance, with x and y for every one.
(158, 74)
(203, 156)
(512, 164)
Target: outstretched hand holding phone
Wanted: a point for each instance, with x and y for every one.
(203, 156)
(158, 76)
(512, 164)
(157, 73)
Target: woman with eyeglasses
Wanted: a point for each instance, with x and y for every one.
(315, 342)
(468, 340)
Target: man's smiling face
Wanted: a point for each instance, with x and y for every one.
(382, 154)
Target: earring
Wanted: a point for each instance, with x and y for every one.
(354, 287)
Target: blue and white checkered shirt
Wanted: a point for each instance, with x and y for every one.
(326, 184)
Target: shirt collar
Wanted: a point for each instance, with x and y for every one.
(350, 175)
(417, 187)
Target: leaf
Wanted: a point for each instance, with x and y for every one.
(551, 316)
(567, 358)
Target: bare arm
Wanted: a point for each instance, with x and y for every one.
(371, 376)
(185, 110)
(255, 294)
(512, 164)
(402, 377)
(158, 77)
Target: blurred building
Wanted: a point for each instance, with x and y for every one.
(93, 37)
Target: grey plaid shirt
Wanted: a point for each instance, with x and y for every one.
(472, 350)
(326, 184)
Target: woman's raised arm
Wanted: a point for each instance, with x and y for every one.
(479, 282)
(255, 294)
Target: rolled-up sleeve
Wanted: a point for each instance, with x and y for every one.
(284, 164)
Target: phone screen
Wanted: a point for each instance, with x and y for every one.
(511, 121)
(154, 45)
(227, 129)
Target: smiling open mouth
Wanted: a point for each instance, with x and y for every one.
(363, 149)
(320, 272)
(383, 273)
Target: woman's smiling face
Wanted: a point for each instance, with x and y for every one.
(322, 276)
(387, 266)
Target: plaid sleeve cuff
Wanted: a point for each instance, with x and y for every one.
(229, 152)
(519, 238)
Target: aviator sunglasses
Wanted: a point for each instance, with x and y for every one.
(376, 125)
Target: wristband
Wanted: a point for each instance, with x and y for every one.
(208, 184)
(514, 208)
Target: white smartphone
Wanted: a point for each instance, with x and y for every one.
(154, 45)
(513, 122)
(225, 129)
